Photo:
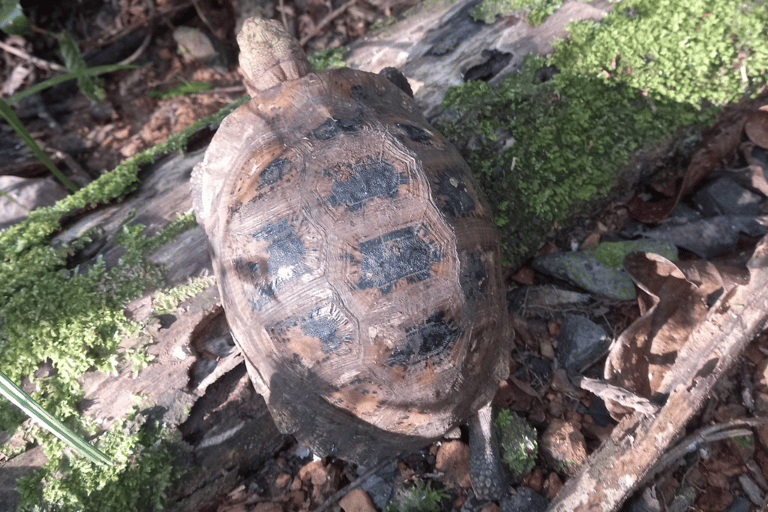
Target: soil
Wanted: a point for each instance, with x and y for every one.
(86, 138)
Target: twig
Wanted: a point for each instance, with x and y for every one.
(617, 394)
(706, 435)
(333, 15)
(43, 64)
(234, 89)
(77, 173)
(135, 55)
(353, 485)
(283, 17)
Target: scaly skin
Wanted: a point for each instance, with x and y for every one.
(488, 478)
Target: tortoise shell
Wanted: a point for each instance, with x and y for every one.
(357, 263)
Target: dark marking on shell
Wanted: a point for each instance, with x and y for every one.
(247, 269)
(474, 275)
(261, 296)
(432, 339)
(323, 324)
(326, 323)
(363, 180)
(456, 199)
(415, 133)
(274, 172)
(285, 249)
(256, 285)
(332, 127)
(399, 254)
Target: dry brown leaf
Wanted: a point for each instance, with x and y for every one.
(721, 142)
(635, 451)
(671, 307)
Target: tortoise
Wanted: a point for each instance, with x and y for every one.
(358, 265)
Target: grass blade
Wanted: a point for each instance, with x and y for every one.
(10, 116)
(24, 402)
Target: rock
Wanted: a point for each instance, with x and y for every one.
(194, 45)
(708, 237)
(751, 489)
(564, 446)
(726, 197)
(739, 504)
(535, 300)
(582, 269)
(526, 500)
(580, 343)
(357, 501)
(379, 485)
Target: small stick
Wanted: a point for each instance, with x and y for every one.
(353, 485)
(43, 64)
(329, 18)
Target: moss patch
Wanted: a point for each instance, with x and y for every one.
(518, 443)
(536, 11)
(73, 319)
(628, 82)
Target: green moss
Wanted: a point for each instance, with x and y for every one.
(328, 58)
(420, 497)
(74, 320)
(612, 254)
(535, 10)
(685, 497)
(518, 443)
(744, 441)
(145, 464)
(541, 148)
(166, 301)
(570, 135)
(699, 52)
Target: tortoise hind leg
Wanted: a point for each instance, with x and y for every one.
(485, 470)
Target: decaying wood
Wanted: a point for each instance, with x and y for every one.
(633, 452)
(439, 43)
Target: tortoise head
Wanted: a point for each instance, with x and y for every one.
(269, 55)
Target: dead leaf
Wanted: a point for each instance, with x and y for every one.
(720, 143)
(634, 453)
(671, 306)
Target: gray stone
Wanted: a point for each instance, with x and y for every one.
(543, 299)
(582, 269)
(738, 504)
(194, 45)
(726, 197)
(580, 343)
(526, 500)
(379, 485)
(709, 237)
